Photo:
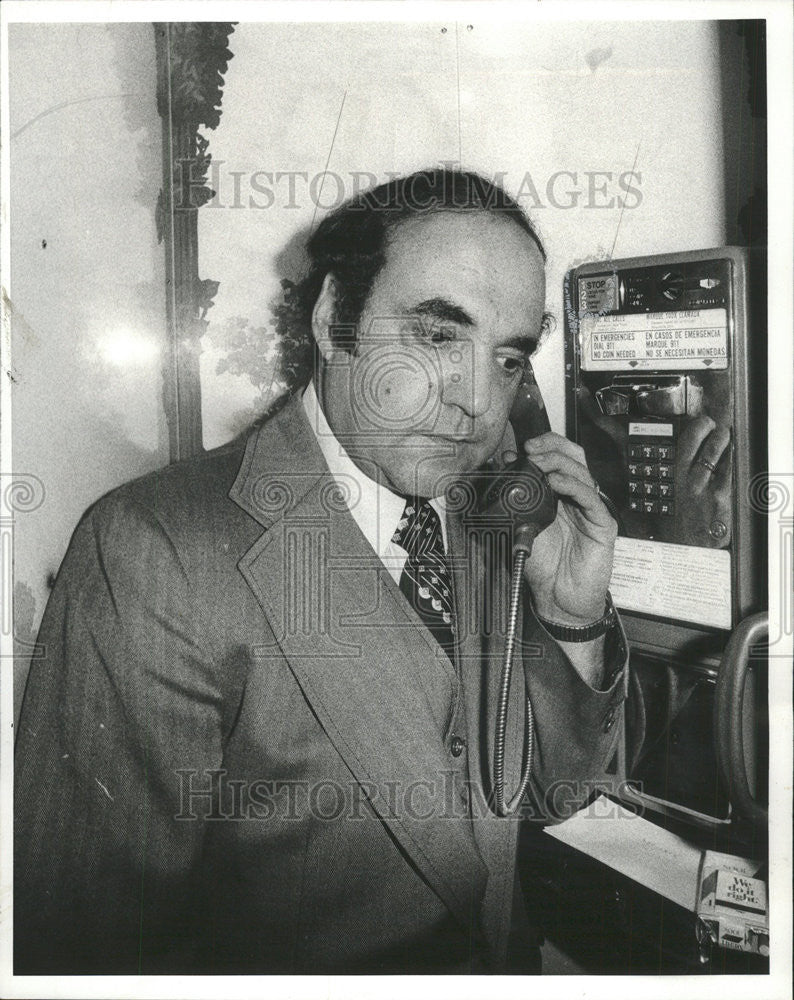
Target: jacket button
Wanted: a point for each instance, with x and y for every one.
(609, 721)
(457, 746)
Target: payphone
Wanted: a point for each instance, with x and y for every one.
(665, 391)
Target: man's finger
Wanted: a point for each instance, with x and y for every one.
(557, 461)
(551, 442)
(706, 462)
(692, 437)
(721, 483)
(571, 488)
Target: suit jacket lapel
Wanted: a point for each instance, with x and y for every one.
(379, 685)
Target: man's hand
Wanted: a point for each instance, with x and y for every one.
(703, 472)
(571, 563)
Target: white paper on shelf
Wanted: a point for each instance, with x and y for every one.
(635, 847)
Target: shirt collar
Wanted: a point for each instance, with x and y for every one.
(376, 510)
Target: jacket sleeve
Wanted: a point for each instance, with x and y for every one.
(586, 738)
(119, 704)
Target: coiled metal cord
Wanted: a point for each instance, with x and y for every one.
(610, 506)
(522, 549)
(508, 808)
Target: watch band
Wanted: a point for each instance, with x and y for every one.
(582, 633)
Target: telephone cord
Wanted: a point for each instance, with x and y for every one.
(508, 808)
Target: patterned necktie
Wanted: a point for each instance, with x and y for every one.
(425, 579)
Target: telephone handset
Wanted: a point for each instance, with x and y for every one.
(519, 492)
(519, 495)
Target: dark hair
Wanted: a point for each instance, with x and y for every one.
(351, 242)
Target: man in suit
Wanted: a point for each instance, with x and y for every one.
(261, 737)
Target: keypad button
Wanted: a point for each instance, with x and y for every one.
(665, 452)
(650, 506)
(650, 471)
(635, 469)
(635, 504)
(665, 472)
(635, 451)
(650, 489)
(665, 490)
(650, 451)
(666, 507)
(635, 487)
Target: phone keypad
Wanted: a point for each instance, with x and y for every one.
(651, 487)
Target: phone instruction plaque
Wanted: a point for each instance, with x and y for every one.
(696, 338)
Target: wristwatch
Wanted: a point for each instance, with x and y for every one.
(582, 633)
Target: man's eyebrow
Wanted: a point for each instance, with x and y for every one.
(441, 309)
(524, 344)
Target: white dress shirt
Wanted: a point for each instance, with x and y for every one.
(377, 511)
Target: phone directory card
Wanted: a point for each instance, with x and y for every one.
(684, 582)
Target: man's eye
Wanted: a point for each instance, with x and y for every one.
(512, 366)
(440, 334)
(433, 333)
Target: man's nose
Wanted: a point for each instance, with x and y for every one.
(467, 382)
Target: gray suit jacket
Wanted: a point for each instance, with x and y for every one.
(237, 751)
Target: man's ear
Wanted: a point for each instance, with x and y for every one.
(323, 315)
